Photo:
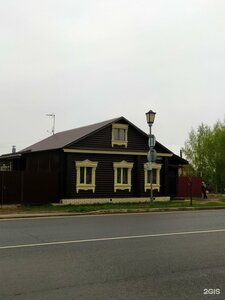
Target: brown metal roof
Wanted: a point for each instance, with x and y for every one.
(64, 138)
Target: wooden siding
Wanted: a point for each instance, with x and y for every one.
(103, 140)
(46, 161)
(105, 176)
(10, 187)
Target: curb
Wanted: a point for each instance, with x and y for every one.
(104, 212)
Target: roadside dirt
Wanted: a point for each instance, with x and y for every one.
(10, 209)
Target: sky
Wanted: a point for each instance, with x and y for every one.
(88, 61)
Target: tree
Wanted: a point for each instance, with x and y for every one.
(205, 151)
(219, 155)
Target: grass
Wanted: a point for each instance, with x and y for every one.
(214, 201)
(198, 203)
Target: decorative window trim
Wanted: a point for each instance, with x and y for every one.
(86, 186)
(122, 165)
(155, 186)
(118, 141)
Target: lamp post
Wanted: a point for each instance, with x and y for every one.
(150, 116)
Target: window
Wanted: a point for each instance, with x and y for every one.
(122, 175)
(155, 177)
(6, 166)
(86, 175)
(119, 134)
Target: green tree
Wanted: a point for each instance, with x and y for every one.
(205, 151)
(219, 155)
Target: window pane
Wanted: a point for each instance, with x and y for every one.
(88, 175)
(125, 176)
(119, 134)
(122, 134)
(81, 175)
(119, 175)
(116, 133)
(153, 176)
(148, 176)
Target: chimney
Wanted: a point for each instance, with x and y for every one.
(13, 149)
(181, 153)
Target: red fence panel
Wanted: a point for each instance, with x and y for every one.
(189, 186)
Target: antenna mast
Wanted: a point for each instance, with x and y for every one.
(53, 125)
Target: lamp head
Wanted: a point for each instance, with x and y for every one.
(150, 117)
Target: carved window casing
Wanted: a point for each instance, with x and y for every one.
(86, 173)
(155, 177)
(119, 134)
(122, 175)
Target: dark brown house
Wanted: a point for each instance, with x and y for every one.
(106, 160)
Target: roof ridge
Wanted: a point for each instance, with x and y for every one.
(90, 125)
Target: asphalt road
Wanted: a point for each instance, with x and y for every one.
(134, 256)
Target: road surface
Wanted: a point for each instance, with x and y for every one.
(178, 255)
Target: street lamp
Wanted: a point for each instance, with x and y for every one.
(150, 116)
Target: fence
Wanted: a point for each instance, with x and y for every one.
(189, 186)
(20, 187)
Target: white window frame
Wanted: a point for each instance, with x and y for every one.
(147, 185)
(86, 186)
(119, 185)
(118, 141)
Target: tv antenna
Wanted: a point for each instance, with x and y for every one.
(53, 125)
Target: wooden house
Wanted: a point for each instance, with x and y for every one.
(107, 160)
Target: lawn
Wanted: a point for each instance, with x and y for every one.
(217, 202)
(196, 203)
